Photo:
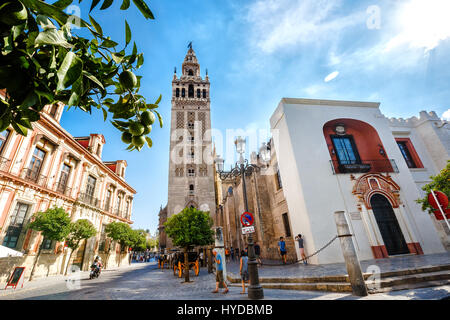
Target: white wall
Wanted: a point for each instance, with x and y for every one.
(313, 193)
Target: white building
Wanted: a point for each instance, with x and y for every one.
(343, 155)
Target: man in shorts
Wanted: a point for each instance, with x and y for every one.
(219, 272)
(282, 249)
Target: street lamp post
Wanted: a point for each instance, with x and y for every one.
(241, 169)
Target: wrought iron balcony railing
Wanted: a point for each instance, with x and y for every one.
(89, 199)
(33, 176)
(62, 188)
(364, 166)
(4, 164)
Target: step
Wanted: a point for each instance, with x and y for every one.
(344, 278)
(391, 282)
(411, 286)
(323, 286)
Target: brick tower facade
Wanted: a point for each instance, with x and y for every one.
(191, 166)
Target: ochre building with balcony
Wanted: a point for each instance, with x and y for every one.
(51, 168)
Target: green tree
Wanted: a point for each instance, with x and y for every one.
(42, 61)
(138, 240)
(440, 182)
(54, 224)
(190, 227)
(79, 230)
(120, 232)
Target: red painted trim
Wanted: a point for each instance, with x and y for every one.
(412, 151)
(379, 252)
(7, 208)
(412, 248)
(418, 248)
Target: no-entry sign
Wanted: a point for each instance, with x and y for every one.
(247, 219)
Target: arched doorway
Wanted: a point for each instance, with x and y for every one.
(387, 223)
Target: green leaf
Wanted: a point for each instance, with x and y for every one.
(30, 100)
(94, 4)
(118, 56)
(159, 118)
(69, 71)
(93, 79)
(44, 22)
(52, 37)
(19, 129)
(143, 7)
(106, 4)
(140, 60)
(51, 11)
(25, 123)
(127, 33)
(149, 141)
(105, 114)
(109, 43)
(125, 5)
(96, 25)
(77, 91)
(62, 4)
(159, 99)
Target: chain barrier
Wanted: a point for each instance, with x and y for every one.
(311, 255)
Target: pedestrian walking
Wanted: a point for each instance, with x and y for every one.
(200, 257)
(219, 272)
(257, 252)
(243, 269)
(302, 248)
(282, 249)
(232, 253)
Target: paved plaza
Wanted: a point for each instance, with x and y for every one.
(276, 269)
(144, 281)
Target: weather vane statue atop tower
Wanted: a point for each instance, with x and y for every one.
(190, 45)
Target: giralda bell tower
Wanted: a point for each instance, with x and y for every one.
(191, 171)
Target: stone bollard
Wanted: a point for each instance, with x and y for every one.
(219, 247)
(351, 259)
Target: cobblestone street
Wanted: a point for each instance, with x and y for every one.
(144, 281)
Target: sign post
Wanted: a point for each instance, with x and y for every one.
(439, 203)
(15, 278)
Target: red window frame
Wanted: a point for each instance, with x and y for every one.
(412, 151)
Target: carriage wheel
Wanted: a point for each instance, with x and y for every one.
(196, 268)
(180, 269)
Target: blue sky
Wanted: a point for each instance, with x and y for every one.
(389, 51)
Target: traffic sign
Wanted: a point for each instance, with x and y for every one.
(247, 219)
(246, 230)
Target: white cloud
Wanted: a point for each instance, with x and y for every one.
(446, 115)
(278, 24)
(331, 76)
(421, 24)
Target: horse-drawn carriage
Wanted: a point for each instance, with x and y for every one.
(179, 264)
(162, 260)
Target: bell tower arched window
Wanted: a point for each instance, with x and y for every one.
(204, 93)
(191, 91)
(177, 92)
(198, 93)
(190, 72)
(183, 92)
